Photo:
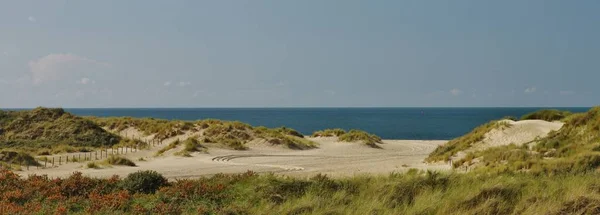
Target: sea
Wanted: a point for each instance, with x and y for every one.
(388, 123)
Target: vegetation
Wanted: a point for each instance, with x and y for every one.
(162, 128)
(147, 182)
(444, 152)
(547, 115)
(93, 165)
(361, 136)
(284, 136)
(171, 145)
(120, 161)
(147, 192)
(50, 129)
(336, 132)
(574, 149)
(191, 145)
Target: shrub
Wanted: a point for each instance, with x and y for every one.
(121, 161)
(361, 136)
(147, 182)
(171, 145)
(547, 115)
(92, 165)
(336, 132)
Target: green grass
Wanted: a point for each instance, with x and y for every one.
(336, 132)
(191, 145)
(46, 129)
(444, 152)
(171, 145)
(547, 115)
(286, 138)
(573, 149)
(415, 192)
(361, 136)
(162, 128)
(119, 161)
(93, 165)
(20, 158)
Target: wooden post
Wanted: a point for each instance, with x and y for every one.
(52, 161)
(45, 161)
(96, 155)
(59, 160)
(79, 157)
(67, 158)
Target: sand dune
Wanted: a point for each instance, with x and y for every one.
(332, 158)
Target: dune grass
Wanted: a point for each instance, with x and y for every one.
(284, 136)
(48, 129)
(414, 192)
(335, 132)
(119, 161)
(361, 136)
(547, 115)
(444, 152)
(191, 145)
(171, 145)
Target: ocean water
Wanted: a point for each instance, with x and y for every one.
(389, 123)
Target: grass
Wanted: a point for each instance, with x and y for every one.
(191, 145)
(119, 161)
(414, 192)
(171, 145)
(574, 149)
(286, 137)
(20, 158)
(444, 152)
(46, 128)
(547, 115)
(93, 165)
(336, 132)
(361, 136)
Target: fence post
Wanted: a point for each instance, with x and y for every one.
(59, 160)
(45, 161)
(96, 155)
(52, 161)
(67, 159)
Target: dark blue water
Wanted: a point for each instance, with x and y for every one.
(389, 123)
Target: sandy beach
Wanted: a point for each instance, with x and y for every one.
(333, 158)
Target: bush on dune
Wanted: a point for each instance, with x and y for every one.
(444, 152)
(361, 136)
(284, 136)
(547, 115)
(336, 132)
(46, 128)
(120, 161)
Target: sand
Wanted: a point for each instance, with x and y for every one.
(336, 159)
(518, 133)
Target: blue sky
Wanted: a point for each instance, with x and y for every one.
(299, 53)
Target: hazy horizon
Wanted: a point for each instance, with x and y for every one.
(286, 54)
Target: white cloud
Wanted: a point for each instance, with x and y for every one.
(50, 67)
(85, 81)
(455, 92)
(183, 84)
(566, 92)
(530, 90)
(31, 18)
(166, 84)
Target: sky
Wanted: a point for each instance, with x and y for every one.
(312, 53)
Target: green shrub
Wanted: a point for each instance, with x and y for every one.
(547, 115)
(120, 161)
(361, 136)
(171, 145)
(147, 182)
(20, 158)
(93, 165)
(336, 132)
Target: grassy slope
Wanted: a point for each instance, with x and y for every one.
(444, 152)
(47, 128)
(575, 148)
